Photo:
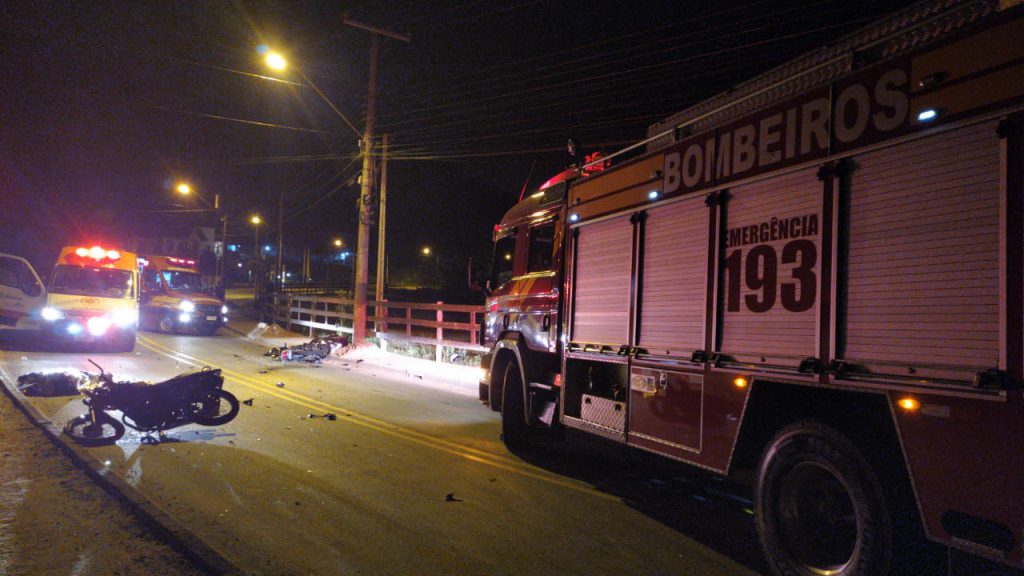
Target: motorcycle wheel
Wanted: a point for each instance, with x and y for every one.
(84, 431)
(210, 411)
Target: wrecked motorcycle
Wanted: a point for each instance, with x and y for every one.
(313, 351)
(192, 397)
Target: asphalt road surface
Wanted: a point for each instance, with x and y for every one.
(411, 478)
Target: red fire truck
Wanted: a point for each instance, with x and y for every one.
(818, 275)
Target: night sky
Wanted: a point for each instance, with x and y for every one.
(103, 105)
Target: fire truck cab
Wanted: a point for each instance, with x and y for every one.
(175, 297)
(816, 276)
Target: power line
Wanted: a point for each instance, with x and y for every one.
(238, 120)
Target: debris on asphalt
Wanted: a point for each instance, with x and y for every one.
(327, 416)
(263, 329)
(280, 384)
(451, 498)
(50, 383)
(263, 371)
(247, 402)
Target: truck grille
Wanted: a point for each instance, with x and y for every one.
(208, 309)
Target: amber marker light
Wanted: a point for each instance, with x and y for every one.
(741, 382)
(908, 404)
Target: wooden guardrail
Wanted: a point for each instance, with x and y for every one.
(440, 325)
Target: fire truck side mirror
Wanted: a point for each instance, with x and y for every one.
(473, 278)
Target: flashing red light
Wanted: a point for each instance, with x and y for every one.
(182, 261)
(594, 167)
(98, 253)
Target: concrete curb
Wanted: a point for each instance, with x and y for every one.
(170, 530)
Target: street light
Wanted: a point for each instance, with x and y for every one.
(255, 220)
(360, 270)
(426, 250)
(337, 243)
(185, 189)
(276, 61)
(255, 235)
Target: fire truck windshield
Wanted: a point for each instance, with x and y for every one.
(181, 281)
(85, 281)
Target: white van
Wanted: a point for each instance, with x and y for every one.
(22, 296)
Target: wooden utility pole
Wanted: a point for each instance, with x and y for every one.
(280, 236)
(366, 190)
(381, 267)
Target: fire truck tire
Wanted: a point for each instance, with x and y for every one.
(820, 507)
(514, 431)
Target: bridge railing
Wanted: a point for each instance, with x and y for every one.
(440, 325)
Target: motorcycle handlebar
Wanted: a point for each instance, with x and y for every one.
(109, 378)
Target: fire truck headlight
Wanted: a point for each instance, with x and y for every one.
(98, 325)
(51, 314)
(187, 306)
(74, 328)
(224, 309)
(184, 317)
(126, 317)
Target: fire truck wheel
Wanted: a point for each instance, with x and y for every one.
(513, 409)
(820, 507)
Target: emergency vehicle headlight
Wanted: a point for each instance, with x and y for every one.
(51, 314)
(184, 317)
(224, 309)
(187, 306)
(98, 325)
(125, 317)
(74, 328)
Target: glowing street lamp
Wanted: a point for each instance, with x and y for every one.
(276, 61)
(360, 270)
(184, 188)
(255, 234)
(426, 251)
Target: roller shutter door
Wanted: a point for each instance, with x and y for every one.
(771, 267)
(604, 253)
(923, 257)
(674, 277)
